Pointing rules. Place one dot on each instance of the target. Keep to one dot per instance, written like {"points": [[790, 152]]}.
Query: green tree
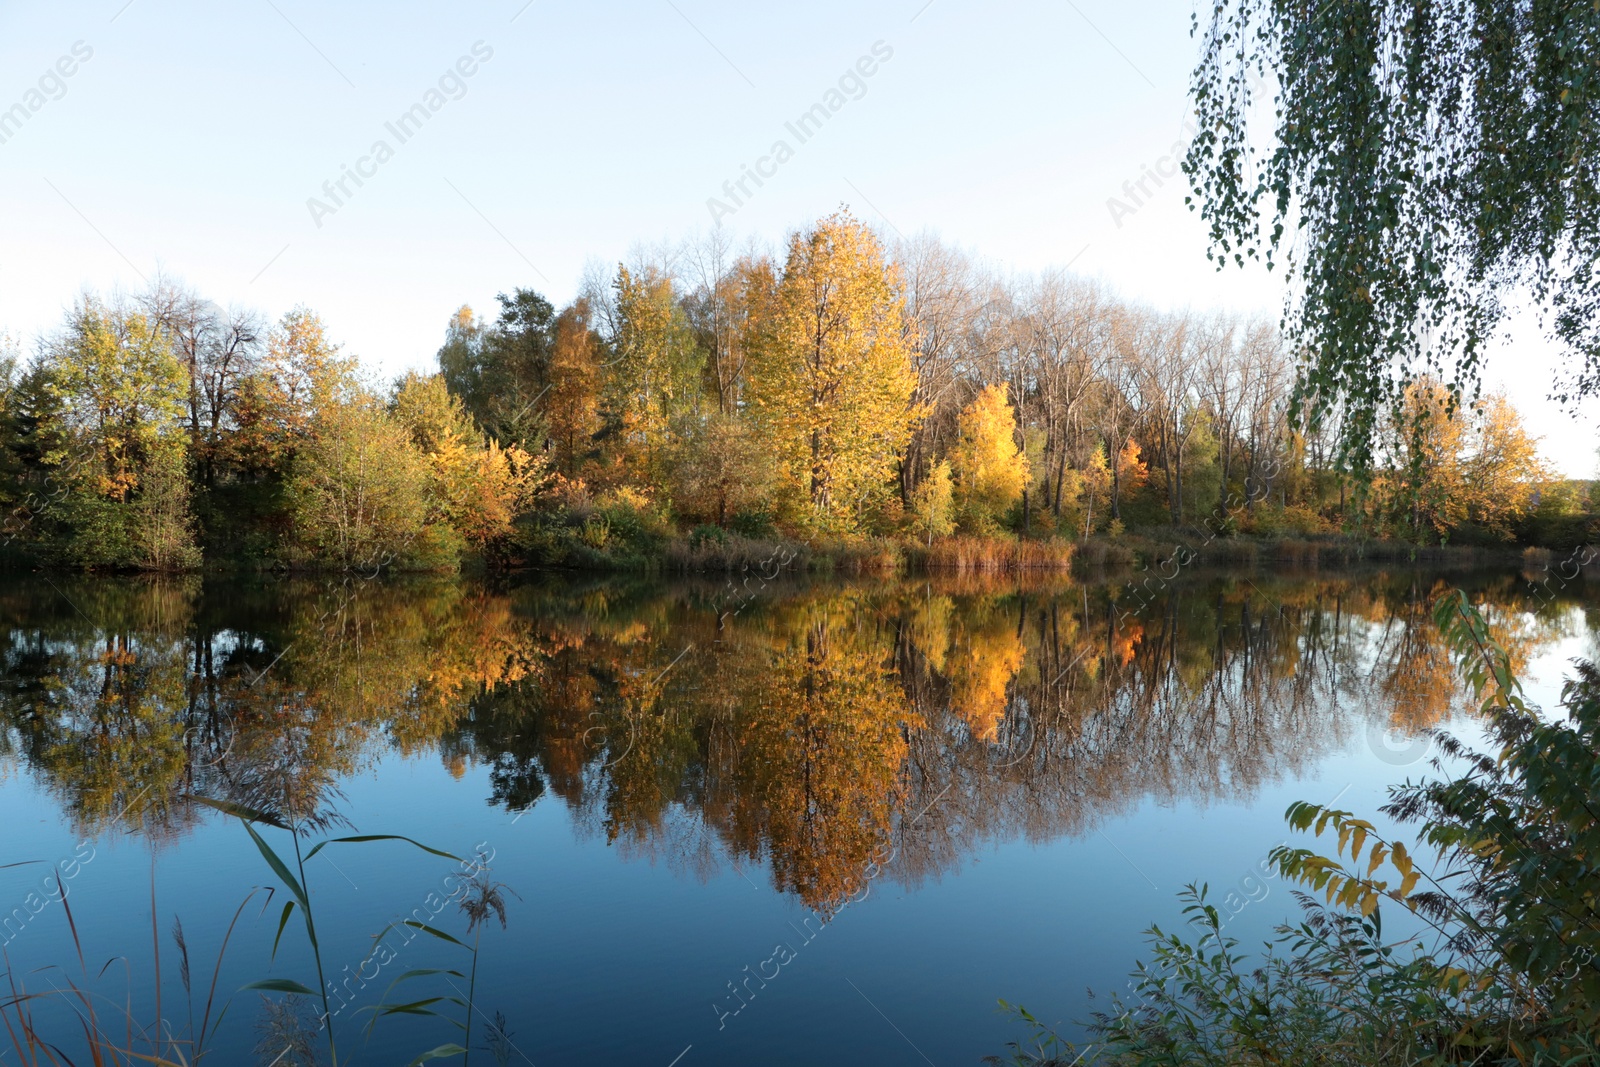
{"points": [[501, 373], [120, 446], [359, 495], [1425, 160], [122, 392]]}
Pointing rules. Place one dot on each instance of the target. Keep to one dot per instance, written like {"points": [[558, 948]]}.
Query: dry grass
{"points": [[734, 554], [875, 557], [994, 555], [1102, 552]]}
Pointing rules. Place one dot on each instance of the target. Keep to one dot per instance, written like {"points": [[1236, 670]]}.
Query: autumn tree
{"points": [[1130, 473], [302, 373], [476, 486], [1096, 485], [653, 379], [1450, 467], [933, 504], [991, 471], [831, 387], [119, 393], [721, 471], [571, 406]]}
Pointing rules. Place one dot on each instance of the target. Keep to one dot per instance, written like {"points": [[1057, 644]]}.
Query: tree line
{"points": [[847, 389]]}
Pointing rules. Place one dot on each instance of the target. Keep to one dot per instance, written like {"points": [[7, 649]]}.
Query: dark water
{"points": [[810, 824]]}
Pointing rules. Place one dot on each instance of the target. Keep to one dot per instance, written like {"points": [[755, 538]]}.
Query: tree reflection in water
{"points": [[818, 727]]}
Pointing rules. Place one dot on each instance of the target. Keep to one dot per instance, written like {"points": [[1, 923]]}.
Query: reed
{"points": [[994, 555], [110, 1034], [733, 553]]}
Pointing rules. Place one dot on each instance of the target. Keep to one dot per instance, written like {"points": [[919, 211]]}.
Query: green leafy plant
{"points": [[481, 899], [294, 881]]}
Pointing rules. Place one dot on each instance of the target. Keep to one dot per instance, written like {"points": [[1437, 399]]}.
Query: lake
{"points": [[785, 822]]}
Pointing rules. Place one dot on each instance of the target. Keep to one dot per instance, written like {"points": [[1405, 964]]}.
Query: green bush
{"points": [[757, 525]]}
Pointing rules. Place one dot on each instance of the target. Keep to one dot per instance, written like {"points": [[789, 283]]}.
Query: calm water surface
{"points": [[784, 823]]}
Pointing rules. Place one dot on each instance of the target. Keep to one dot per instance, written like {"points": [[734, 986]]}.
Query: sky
{"points": [[208, 141]]}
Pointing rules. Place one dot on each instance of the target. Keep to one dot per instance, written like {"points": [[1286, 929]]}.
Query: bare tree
{"points": [[945, 296]]}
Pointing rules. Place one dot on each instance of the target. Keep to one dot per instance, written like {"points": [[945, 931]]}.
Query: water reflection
{"points": [[813, 729]]}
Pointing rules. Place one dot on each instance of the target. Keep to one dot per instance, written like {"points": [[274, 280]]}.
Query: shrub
{"points": [[756, 524], [702, 535], [1272, 520]]}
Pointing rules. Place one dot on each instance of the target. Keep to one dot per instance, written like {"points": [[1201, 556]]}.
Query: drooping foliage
{"points": [[1413, 167]]}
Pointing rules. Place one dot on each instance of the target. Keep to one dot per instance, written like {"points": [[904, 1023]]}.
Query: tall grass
{"points": [[994, 555], [106, 1033], [110, 1033], [731, 553]]}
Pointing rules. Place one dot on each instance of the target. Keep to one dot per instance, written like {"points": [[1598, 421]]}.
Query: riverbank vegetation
{"points": [[847, 406]]}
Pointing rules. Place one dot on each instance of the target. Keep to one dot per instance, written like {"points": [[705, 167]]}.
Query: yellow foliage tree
{"points": [[831, 382], [477, 486], [1096, 481], [1452, 466], [991, 471], [301, 374], [1132, 471], [933, 504], [571, 408]]}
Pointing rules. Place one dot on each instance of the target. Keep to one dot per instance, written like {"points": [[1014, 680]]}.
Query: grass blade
{"points": [[382, 837]]}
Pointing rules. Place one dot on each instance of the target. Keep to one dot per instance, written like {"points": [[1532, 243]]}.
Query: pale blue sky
{"points": [[194, 135]]}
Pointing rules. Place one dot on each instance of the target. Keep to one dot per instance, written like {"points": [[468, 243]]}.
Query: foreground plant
{"points": [[1511, 905], [481, 897], [295, 882], [109, 1031]]}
